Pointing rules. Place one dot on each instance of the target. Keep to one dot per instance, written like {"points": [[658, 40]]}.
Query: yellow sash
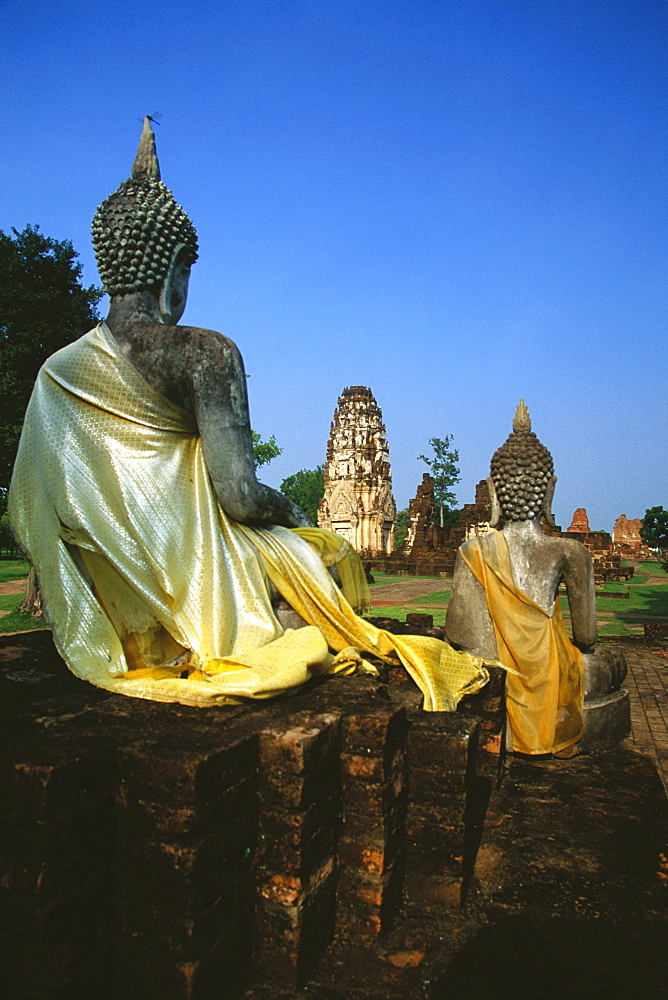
{"points": [[544, 698]]}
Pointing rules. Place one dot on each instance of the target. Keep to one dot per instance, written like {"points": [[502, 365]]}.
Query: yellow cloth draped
{"points": [[544, 698], [150, 588], [334, 550]]}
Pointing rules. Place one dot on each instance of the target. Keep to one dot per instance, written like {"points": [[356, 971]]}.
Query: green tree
{"points": [[654, 531], [306, 488], [7, 540], [43, 306], [264, 452], [445, 470], [401, 528]]}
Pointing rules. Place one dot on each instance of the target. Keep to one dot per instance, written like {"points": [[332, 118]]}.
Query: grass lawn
{"points": [[10, 601], [16, 622], [434, 597], [400, 611], [13, 569], [646, 601], [617, 616]]}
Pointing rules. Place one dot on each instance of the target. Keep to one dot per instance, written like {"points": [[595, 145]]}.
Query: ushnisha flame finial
{"points": [[521, 420], [146, 161]]}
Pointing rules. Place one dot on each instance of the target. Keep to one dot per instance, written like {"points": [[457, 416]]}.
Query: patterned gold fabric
{"points": [[151, 589], [334, 550], [545, 679]]}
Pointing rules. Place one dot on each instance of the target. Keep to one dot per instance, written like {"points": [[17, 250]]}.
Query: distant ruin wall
{"points": [[430, 550], [627, 540]]}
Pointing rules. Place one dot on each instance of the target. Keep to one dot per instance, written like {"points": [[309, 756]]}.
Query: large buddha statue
{"points": [[504, 603], [135, 496]]}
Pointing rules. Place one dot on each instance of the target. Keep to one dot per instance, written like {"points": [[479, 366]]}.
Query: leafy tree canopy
{"points": [[401, 528], [43, 306], [445, 470], [306, 488], [264, 452], [654, 531]]}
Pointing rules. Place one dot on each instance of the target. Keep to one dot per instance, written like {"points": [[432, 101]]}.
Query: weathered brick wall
{"points": [[371, 849], [57, 855], [627, 540], [300, 808], [152, 850], [442, 754], [187, 834]]}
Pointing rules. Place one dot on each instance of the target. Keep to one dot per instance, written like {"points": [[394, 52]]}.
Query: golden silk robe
{"points": [[150, 588], [545, 682]]}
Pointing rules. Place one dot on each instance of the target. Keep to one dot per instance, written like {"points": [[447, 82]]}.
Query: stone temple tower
{"points": [[358, 501]]}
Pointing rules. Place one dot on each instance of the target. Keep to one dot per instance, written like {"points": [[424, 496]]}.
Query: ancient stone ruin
{"points": [[580, 521], [607, 561], [358, 501], [430, 549], [627, 540], [423, 535]]}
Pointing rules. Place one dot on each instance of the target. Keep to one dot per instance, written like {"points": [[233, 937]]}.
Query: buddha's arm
{"points": [[220, 400], [578, 574], [468, 624]]}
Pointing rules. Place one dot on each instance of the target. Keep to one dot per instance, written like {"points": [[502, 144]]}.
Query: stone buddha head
{"points": [[521, 486], [144, 242]]}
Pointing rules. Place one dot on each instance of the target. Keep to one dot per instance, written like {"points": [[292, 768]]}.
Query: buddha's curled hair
{"points": [[138, 228], [521, 469]]}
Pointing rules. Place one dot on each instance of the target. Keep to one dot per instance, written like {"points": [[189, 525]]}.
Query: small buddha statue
{"points": [[505, 603], [168, 571]]}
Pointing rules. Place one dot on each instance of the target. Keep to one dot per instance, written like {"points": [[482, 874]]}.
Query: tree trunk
{"points": [[32, 602]]}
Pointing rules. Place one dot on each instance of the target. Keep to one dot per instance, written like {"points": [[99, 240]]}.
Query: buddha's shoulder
{"points": [[202, 337], [571, 548], [191, 343]]}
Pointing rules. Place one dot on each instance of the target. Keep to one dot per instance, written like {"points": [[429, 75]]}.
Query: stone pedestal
{"points": [[163, 852], [607, 709], [607, 721]]}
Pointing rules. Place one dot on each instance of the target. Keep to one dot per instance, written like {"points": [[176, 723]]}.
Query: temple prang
{"points": [[358, 501]]}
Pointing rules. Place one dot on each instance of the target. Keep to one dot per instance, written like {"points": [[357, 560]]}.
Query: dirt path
{"points": [[406, 590], [13, 587]]}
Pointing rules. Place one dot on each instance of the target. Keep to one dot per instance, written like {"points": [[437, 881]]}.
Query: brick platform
{"points": [[154, 850], [319, 848], [647, 681]]}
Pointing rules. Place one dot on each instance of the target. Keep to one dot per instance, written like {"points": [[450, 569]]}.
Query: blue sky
{"points": [[453, 203]]}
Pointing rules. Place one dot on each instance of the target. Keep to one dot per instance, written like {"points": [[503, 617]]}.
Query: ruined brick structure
{"points": [[627, 540], [474, 517], [607, 562], [607, 552], [358, 501], [431, 551], [434, 551], [580, 521], [423, 535], [161, 852]]}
